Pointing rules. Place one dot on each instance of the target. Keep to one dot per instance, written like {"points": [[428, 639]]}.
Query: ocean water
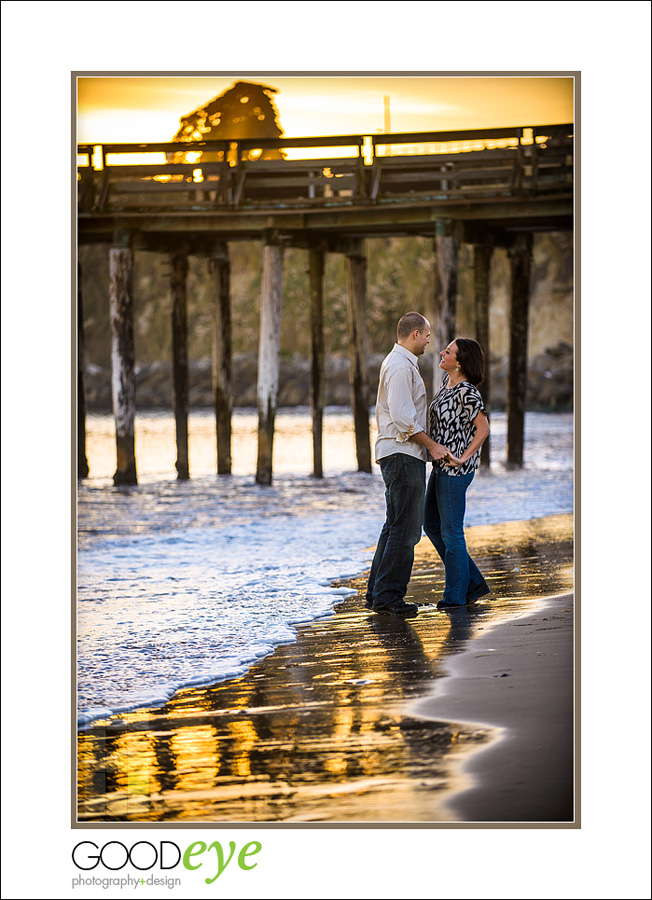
{"points": [[183, 583]]}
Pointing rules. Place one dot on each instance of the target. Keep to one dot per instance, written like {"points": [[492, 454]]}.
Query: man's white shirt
{"points": [[401, 406]]}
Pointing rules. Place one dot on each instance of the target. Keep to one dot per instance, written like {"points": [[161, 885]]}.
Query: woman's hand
{"points": [[451, 460]]}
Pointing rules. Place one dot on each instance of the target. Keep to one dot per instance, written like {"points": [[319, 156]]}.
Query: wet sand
{"points": [[517, 678], [371, 719]]}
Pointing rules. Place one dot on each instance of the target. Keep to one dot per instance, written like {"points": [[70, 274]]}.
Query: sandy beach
{"points": [[517, 678], [449, 718]]}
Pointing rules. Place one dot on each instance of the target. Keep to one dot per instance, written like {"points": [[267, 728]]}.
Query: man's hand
{"points": [[438, 451]]}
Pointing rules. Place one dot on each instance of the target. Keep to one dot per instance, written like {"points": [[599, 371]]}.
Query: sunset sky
{"points": [[148, 109]]}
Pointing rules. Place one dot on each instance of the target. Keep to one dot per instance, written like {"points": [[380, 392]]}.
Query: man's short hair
{"points": [[412, 321]]}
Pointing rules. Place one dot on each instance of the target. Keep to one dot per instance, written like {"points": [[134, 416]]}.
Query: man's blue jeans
{"points": [[405, 481], [443, 522]]}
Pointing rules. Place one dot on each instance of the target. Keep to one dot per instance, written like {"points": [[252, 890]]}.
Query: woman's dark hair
{"points": [[471, 359]]}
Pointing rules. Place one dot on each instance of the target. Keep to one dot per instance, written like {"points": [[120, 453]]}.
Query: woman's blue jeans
{"points": [[443, 522], [405, 482]]}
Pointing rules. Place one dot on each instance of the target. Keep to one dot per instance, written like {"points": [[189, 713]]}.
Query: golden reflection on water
{"points": [[244, 737], [196, 753], [156, 446], [317, 732], [135, 763]]}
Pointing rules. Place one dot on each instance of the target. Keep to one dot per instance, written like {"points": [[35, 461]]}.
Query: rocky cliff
{"points": [[550, 381]]}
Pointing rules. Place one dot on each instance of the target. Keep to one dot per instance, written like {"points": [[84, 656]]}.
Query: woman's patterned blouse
{"points": [[451, 418]]}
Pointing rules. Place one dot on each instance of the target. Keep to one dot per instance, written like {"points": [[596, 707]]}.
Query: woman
{"points": [[458, 420]]}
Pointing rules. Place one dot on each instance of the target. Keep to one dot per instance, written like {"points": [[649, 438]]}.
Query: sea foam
{"points": [[191, 583]]}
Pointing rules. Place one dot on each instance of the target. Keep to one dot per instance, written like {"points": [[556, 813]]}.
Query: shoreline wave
{"points": [[189, 583]]}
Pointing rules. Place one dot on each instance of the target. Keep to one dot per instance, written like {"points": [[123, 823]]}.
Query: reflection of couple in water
{"points": [[451, 432]]}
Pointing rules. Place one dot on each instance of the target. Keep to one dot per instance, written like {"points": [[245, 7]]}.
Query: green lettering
{"points": [[190, 851], [221, 865], [244, 853]]}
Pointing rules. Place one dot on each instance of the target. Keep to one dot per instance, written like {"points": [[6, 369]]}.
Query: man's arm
{"points": [[437, 451], [400, 403], [404, 415]]}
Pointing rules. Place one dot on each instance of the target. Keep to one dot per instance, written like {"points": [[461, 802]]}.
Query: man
{"points": [[401, 451]]}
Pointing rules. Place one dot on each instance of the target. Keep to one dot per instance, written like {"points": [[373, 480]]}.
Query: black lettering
{"points": [[170, 844], [131, 856], [105, 864], [96, 858]]}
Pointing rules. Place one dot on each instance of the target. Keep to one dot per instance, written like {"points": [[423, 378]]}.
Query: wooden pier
{"points": [[487, 188]]}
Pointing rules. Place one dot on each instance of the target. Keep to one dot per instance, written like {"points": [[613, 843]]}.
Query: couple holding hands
{"points": [[451, 434]]}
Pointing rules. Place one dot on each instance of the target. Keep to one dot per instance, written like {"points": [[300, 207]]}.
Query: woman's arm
{"points": [[481, 434]]}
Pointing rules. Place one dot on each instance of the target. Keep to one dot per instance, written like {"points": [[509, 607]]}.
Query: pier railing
{"points": [[342, 170]]}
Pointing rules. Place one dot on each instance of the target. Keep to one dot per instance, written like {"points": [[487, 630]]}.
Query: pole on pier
{"points": [[123, 377], [178, 281], [482, 254], [219, 267], [443, 328], [356, 280], [317, 358], [269, 355], [82, 460], [520, 256]]}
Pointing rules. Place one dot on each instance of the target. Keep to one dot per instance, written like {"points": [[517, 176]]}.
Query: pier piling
{"points": [[482, 254], [356, 280], [123, 378], [446, 245], [219, 268], [269, 355], [82, 460], [317, 357], [520, 256], [178, 280]]}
